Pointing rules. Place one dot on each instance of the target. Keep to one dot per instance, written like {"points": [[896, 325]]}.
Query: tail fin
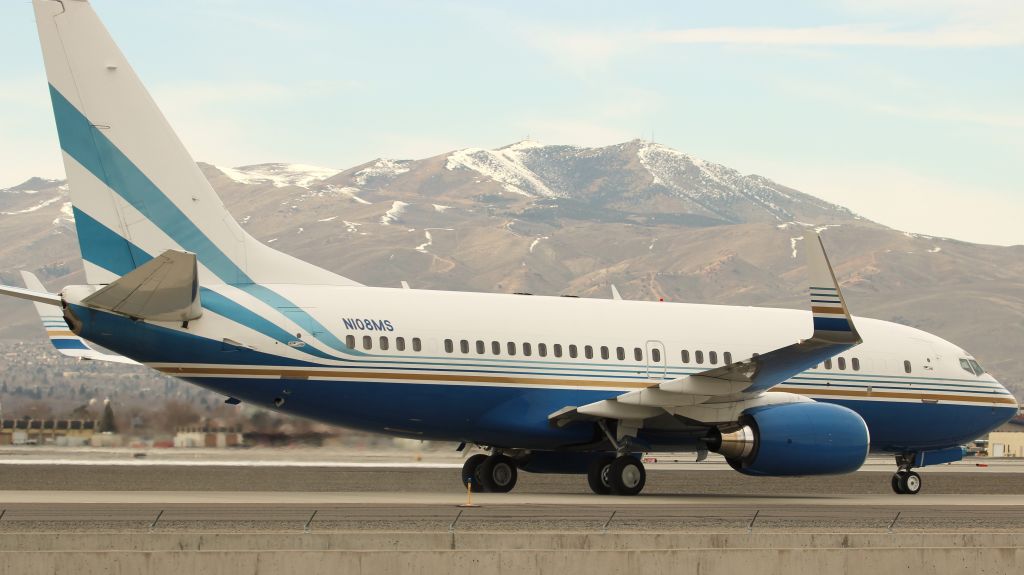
{"points": [[136, 191]]}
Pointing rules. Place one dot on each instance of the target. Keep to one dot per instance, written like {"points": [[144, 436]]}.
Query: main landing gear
{"points": [[905, 481], [494, 473], [623, 475]]}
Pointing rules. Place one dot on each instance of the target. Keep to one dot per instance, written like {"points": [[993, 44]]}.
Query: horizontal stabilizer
{"points": [[165, 288], [39, 296], [61, 336]]}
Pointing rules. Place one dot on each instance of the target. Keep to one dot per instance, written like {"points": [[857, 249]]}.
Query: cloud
{"points": [[844, 35], [911, 201]]}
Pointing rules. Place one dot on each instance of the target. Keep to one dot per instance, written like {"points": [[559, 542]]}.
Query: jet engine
{"points": [[794, 439]]}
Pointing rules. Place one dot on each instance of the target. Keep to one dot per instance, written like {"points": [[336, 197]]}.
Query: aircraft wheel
{"points": [[910, 483], [896, 478], [626, 475], [597, 475], [498, 474], [469, 472]]}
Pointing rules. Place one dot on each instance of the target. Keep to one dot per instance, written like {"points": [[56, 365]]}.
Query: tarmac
{"points": [[254, 490], [320, 511]]}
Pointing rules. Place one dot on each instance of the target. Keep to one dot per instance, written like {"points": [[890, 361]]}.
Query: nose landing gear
{"points": [[905, 481]]}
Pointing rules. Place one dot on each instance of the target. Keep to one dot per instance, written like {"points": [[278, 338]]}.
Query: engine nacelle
{"points": [[795, 439]]}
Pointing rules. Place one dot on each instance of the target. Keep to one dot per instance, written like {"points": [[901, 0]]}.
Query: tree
{"points": [[107, 423]]}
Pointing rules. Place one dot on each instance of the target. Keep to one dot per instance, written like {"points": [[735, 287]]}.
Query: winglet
{"points": [[832, 321], [615, 293]]}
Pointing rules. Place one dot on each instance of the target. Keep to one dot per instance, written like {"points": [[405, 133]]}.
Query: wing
{"points": [[66, 342], [718, 394]]}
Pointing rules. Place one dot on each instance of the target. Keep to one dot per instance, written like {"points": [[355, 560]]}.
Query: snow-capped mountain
{"points": [[556, 219]]}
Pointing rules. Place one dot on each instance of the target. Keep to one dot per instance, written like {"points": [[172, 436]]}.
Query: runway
{"points": [[190, 498]]}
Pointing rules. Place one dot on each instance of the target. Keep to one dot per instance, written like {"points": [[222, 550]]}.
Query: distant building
{"points": [[64, 432], [208, 437], [1006, 442]]}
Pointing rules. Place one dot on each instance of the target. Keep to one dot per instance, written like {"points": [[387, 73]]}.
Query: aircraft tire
{"points": [[627, 476], [597, 475], [469, 472], [896, 479], [498, 474]]}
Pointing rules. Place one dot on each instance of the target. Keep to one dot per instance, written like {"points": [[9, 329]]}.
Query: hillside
{"points": [[569, 220]]}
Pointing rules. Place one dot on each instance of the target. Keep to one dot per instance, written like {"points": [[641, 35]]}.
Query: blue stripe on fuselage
{"points": [[96, 153]]}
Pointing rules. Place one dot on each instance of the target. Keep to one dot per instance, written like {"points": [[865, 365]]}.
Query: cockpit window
{"points": [[971, 366], [966, 364], [977, 368]]}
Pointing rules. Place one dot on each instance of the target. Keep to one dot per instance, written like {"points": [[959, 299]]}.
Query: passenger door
{"points": [[656, 360]]}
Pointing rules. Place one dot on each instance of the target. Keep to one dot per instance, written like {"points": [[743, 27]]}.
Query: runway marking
{"points": [[263, 498], [240, 463]]}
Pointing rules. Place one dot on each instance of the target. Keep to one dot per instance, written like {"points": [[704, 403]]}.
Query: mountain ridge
{"points": [[557, 219]]}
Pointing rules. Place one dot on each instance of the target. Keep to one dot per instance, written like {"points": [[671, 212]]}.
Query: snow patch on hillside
{"points": [[505, 166], [430, 240], [395, 213], [38, 206], [279, 175], [349, 192], [382, 168], [792, 244]]}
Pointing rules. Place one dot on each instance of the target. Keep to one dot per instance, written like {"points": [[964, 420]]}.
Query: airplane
{"points": [[541, 384]]}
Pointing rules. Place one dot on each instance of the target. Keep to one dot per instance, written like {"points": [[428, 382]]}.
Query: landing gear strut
{"points": [[905, 481], [623, 475]]}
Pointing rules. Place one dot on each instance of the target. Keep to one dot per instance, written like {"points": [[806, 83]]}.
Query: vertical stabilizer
{"points": [[136, 191]]}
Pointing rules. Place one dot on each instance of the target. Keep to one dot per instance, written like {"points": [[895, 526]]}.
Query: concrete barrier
{"points": [[375, 553]]}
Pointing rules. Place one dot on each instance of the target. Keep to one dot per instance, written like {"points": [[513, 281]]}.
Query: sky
{"points": [[909, 112]]}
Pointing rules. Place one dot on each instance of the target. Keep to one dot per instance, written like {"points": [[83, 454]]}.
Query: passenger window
{"points": [[620, 353], [558, 349], [828, 363], [604, 352], [855, 363], [542, 349], [713, 357], [511, 348], [638, 354], [350, 342], [417, 345], [842, 363], [572, 351], [906, 366], [527, 349], [449, 346], [728, 357], [588, 351], [400, 343], [698, 356], [655, 355], [481, 348], [384, 343], [367, 342], [685, 356], [464, 346], [496, 348]]}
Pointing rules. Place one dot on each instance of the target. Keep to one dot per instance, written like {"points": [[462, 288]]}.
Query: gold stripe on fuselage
{"points": [[545, 381]]}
